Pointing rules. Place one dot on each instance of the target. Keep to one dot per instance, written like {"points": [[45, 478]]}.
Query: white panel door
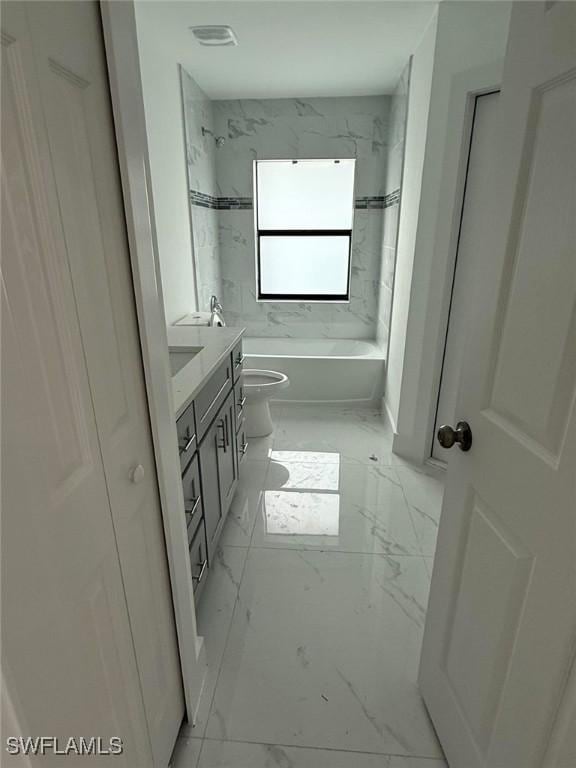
{"points": [[501, 629], [67, 655], [71, 66]]}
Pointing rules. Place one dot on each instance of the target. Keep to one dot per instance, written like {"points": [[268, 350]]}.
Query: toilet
{"points": [[259, 387]]}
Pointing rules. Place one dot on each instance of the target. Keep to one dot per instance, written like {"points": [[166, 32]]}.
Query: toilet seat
{"points": [[260, 382]]}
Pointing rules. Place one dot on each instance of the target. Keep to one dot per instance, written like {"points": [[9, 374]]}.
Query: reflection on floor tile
{"points": [[245, 505], [314, 612], [347, 508], [228, 754], [424, 496], [213, 616], [308, 634]]}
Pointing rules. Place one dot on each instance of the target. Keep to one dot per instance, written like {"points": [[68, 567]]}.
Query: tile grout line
{"points": [[325, 749], [418, 539]]}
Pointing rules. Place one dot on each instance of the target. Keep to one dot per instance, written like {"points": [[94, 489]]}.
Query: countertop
{"points": [[216, 343]]}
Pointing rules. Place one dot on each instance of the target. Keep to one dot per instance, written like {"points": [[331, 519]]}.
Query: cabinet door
{"points": [[227, 464], [209, 471]]}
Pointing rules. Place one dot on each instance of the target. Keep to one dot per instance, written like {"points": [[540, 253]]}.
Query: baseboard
{"points": [[372, 404], [388, 415]]}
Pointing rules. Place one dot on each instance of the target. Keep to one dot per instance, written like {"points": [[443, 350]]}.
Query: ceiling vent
{"points": [[214, 35]]}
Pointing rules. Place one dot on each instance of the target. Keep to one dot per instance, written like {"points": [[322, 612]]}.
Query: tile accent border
{"points": [[377, 201], [202, 200]]}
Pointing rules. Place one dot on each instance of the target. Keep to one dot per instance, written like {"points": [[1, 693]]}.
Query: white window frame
{"points": [[299, 298]]}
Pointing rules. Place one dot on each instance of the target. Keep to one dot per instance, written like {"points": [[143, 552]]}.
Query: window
{"points": [[304, 212]]}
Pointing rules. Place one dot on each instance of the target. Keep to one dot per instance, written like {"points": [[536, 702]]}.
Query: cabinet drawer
{"points": [[186, 430], [237, 361], [213, 394], [193, 505], [198, 559], [239, 402]]}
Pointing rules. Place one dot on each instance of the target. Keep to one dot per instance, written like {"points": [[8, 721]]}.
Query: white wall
{"points": [[470, 38], [415, 144], [164, 123]]}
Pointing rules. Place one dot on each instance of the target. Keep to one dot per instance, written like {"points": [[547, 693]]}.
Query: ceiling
{"points": [[294, 48]]}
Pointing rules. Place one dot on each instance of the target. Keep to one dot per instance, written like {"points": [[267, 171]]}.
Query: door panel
{"points": [[209, 471], [227, 464], [65, 629], [534, 368], [73, 107], [501, 628]]}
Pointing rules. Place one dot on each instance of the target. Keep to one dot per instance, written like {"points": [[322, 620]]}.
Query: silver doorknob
{"points": [[136, 474], [462, 435]]}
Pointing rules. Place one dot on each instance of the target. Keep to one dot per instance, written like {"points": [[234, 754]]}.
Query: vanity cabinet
{"points": [[219, 471], [212, 442]]}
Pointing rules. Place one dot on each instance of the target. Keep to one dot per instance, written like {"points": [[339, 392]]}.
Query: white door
{"points": [[470, 242], [501, 629], [67, 47], [68, 661]]}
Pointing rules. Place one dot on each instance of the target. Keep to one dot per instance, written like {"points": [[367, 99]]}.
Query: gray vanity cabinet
{"points": [[219, 471], [211, 438]]}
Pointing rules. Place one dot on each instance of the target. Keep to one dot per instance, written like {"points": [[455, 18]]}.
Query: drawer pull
{"points": [[195, 502], [222, 388], [239, 360], [244, 448], [189, 442], [203, 567], [242, 403]]}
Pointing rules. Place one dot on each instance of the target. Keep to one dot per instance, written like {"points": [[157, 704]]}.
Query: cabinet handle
{"points": [[195, 502], [186, 447], [242, 403], [227, 430], [198, 578], [244, 448], [223, 428], [239, 360]]}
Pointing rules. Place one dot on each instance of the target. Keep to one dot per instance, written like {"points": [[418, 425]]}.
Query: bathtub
{"points": [[326, 370]]}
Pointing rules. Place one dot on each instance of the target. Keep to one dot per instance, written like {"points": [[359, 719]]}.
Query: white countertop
{"points": [[216, 343]]}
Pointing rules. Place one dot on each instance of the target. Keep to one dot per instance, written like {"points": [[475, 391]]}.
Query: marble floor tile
{"points": [[424, 496], [228, 754], [334, 507], [245, 505], [353, 436], [213, 616], [323, 652], [186, 753]]}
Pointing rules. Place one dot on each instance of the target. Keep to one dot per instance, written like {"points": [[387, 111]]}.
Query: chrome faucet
{"points": [[216, 313]]}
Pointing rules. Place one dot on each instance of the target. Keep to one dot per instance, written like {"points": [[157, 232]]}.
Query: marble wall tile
{"points": [[201, 161], [394, 167], [280, 128]]}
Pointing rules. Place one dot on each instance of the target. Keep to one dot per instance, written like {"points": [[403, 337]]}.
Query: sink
{"points": [[181, 356]]}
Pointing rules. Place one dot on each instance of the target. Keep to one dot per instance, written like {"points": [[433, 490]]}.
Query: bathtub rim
{"points": [[376, 354]]}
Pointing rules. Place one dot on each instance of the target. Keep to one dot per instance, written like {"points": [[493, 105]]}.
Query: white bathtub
{"points": [[327, 370]]}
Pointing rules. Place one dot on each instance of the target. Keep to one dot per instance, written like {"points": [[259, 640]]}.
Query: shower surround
{"points": [[296, 128], [201, 161]]}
